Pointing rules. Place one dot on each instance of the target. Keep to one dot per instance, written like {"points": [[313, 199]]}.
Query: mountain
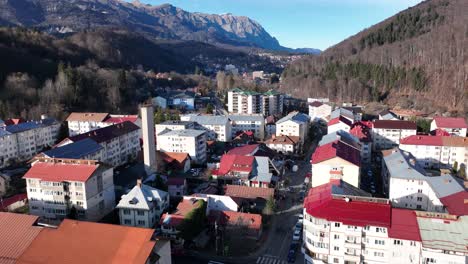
{"points": [[415, 59], [161, 22], [306, 51]]}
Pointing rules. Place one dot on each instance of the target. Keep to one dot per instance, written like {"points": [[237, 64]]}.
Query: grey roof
{"points": [[142, 197], [444, 235], [183, 133], [252, 118], [296, 117], [21, 127], [4, 133], [400, 165], [209, 120], [176, 122], [261, 172], [345, 188], [340, 135], [75, 150], [341, 111]]}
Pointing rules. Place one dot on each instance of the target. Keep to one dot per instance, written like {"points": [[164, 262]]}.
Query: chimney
{"points": [[138, 183], [149, 144]]}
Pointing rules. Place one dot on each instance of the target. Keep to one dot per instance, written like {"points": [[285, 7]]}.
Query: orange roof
{"points": [[17, 232], [252, 221], [283, 140], [58, 172], [247, 192], [174, 156], [85, 242], [183, 208], [93, 117]]}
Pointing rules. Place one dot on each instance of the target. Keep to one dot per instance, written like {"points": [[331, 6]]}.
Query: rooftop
{"points": [[235, 163], [142, 197], [75, 150], [340, 119], [395, 124], [337, 149], [21, 127], [183, 133], [58, 172], [450, 122], [229, 218], [116, 119], [342, 112], [296, 117], [183, 208], [404, 225], [6, 202], [283, 140], [247, 192], [209, 119], [247, 118], [91, 117], [107, 133]]}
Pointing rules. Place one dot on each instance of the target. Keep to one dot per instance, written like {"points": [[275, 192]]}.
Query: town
{"points": [[247, 183]]}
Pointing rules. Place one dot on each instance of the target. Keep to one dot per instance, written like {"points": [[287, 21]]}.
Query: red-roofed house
{"points": [[171, 222], [336, 160], [173, 161], [457, 203], [339, 123], [362, 131], [56, 186], [14, 202], [453, 125], [240, 224], [284, 144]]}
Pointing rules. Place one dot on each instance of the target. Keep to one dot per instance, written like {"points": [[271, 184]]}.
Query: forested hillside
{"points": [[416, 59]]}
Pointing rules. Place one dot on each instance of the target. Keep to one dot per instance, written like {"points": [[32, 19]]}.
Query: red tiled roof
{"points": [[121, 119], [404, 225], [170, 157], [92, 117], [422, 140], [17, 232], [316, 104], [450, 122], [336, 149], [246, 192], [252, 221], [183, 208], [86, 242], [395, 124], [58, 172], [456, 203], [235, 163], [440, 132], [339, 119], [11, 200], [361, 131], [244, 150], [321, 204], [283, 140], [14, 121]]}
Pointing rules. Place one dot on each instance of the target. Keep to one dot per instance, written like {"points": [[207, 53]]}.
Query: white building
{"points": [[284, 144], [55, 186], [346, 113], [294, 124], [453, 125], [243, 123], [387, 115], [20, 142], [409, 186], [343, 225], [363, 132], [387, 134], [121, 142], [173, 125], [437, 151], [217, 127], [339, 123], [80, 123], [142, 206], [249, 102], [188, 141], [319, 111]]}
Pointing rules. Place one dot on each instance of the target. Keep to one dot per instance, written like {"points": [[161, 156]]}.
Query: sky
{"points": [[302, 23]]}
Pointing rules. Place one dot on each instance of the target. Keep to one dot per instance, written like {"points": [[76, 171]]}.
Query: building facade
{"points": [[80, 123], [190, 141], [294, 124], [387, 134], [244, 123], [217, 127], [249, 102], [453, 125], [319, 111]]}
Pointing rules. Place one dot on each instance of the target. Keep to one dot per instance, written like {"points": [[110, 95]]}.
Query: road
{"points": [[219, 107]]}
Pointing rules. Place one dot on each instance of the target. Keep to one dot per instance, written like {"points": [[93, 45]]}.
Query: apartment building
{"points": [[339, 123], [344, 225], [409, 186], [319, 111], [121, 142], [80, 123], [244, 123], [142, 206], [217, 127], [294, 124], [284, 144], [437, 151], [387, 134], [86, 149], [56, 186], [363, 132], [272, 103], [453, 125], [173, 125], [249, 102], [188, 141], [347, 113], [21, 141]]}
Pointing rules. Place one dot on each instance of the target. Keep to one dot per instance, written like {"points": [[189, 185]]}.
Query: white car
{"points": [[297, 235]]}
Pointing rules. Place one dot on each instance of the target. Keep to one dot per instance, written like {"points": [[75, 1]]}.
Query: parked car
{"points": [[297, 235], [292, 256], [298, 225]]}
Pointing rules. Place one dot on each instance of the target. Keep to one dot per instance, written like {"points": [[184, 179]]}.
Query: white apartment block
{"points": [[387, 134], [121, 142], [294, 124], [340, 227], [249, 102], [455, 126], [217, 127], [319, 111], [242, 123], [437, 151], [79, 123], [173, 125], [188, 141], [142, 206], [22, 141], [55, 186], [272, 103]]}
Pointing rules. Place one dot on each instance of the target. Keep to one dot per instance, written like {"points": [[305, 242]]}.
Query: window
{"points": [[336, 260], [413, 243], [337, 224], [418, 206], [336, 248], [379, 242], [141, 222], [419, 199], [378, 254], [126, 212], [337, 237], [397, 242], [380, 230], [127, 222], [141, 213], [429, 260], [419, 190]]}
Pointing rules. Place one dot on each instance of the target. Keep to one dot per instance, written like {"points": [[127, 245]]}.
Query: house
{"points": [[142, 206], [249, 102], [270, 126], [217, 127], [319, 111], [80, 123], [86, 149], [173, 161], [453, 125], [171, 223], [408, 114], [387, 134], [251, 197], [284, 144], [437, 151], [294, 124], [409, 186], [257, 150], [339, 123], [176, 99], [76, 242], [387, 115], [346, 113], [363, 132], [190, 141], [14, 202], [243, 138], [242, 123], [121, 142], [56, 186], [336, 160], [219, 203], [176, 186], [358, 228], [247, 225], [173, 125]]}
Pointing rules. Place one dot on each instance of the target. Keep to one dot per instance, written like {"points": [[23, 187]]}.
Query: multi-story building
{"points": [[339, 123], [217, 127], [453, 125], [344, 225], [173, 125], [437, 151], [86, 149], [142, 206], [56, 186], [387, 134], [249, 102], [387, 115], [409, 186], [272, 103], [80, 123], [319, 111], [294, 124], [20, 142], [188, 141], [284, 144], [121, 142], [362, 131], [244, 123], [176, 99], [347, 113]]}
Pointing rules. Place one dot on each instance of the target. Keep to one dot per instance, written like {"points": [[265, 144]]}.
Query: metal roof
{"points": [[341, 112], [75, 150], [342, 136], [261, 172], [142, 197], [209, 119], [4, 133], [21, 127], [295, 117], [444, 234], [183, 133], [252, 118]]}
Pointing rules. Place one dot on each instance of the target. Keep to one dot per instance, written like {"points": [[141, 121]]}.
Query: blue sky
{"points": [[302, 23]]}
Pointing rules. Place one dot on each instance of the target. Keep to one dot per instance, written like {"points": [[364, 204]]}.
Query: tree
{"points": [[73, 214], [209, 108], [159, 183], [455, 167], [462, 172], [194, 221], [270, 206]]}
